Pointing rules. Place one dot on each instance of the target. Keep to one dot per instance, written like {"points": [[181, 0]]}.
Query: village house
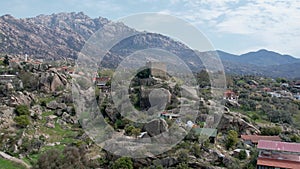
{"points": [[253, 139], [101, 83], [278, 155], [266, 89], [274, 94], [230, 95]]}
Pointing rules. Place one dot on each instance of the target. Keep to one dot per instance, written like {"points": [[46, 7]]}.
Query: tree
{"points": [[123, 163], [232, 139], [136, 132], [6, 60]]}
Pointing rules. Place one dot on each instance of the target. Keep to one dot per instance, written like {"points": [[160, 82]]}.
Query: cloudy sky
{"points": [[235, 26]]}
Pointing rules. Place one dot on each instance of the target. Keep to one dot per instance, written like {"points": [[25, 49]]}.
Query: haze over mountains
{"points": [[64, 34]]}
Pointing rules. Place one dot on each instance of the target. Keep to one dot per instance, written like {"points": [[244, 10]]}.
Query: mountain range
{"points": [[63, 35]]}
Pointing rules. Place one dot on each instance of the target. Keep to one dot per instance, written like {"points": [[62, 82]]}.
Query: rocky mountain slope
{"points": [[64, 34], [47, 36]]}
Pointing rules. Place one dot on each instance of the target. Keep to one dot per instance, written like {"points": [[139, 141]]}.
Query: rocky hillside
{"points": [[47, 36]]}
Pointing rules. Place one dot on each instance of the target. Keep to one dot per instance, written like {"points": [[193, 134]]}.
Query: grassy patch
{"points": [[44, 100], [296, 120], [6, 164], [59, 134]]}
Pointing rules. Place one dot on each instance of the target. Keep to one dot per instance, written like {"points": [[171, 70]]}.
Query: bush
{"points": [[69, 158], [22, 121], [255, 117], [271, 131], [183, 155], [182, 166], [119, 124], [123, 163], [295, 138], [128, 129], [196, 149], [242, 155], [22, 110], [136, 132], [232, 139]]}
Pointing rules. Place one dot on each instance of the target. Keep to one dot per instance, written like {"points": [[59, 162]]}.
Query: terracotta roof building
{"points": [[253, 139], [282, 155], [230, 95], [101, 81]]}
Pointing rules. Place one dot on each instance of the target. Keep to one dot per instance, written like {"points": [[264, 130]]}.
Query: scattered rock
{"points": [[21, 98], [59, 112], [51, 117], [36, 112], [52, 105], [50, 125]]}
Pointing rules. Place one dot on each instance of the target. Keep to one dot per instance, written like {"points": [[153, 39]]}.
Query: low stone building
{"points": [[157, 69]]}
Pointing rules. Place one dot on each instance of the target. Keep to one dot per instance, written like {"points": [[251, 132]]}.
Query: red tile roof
{"points": [[279, 146], [256, 138], [278, 163]]}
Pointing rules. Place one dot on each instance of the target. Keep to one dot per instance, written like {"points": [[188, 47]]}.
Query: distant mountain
{"points": [[47, 36], [259, 58], [63, 35]]}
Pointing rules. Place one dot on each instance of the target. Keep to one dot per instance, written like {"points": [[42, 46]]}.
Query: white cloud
{"points": [[273, 23]]}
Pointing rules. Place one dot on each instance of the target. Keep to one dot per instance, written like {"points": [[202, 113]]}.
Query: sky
{"points": [[234, 26]]}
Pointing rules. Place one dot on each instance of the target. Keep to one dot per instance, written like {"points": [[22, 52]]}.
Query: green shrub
{"points": [[271, 131], [183, 155], [22, 110], [22, 121], [119, 124], [123, 163], [232, 139], [128, 129], [136, 132], [255, 117], [242, 155], [182, 166]]}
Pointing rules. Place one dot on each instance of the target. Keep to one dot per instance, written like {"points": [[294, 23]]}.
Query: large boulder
{"points": [[56, 83], [45, 82], [156, 127], [238, 121]]}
